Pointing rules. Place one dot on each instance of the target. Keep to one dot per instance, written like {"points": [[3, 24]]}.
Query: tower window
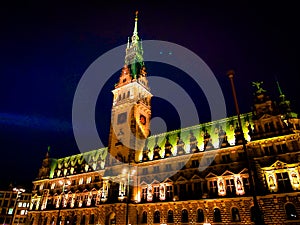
{"points": [[128, 94]]}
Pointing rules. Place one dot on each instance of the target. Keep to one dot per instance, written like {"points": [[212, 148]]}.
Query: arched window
{"points": [[82, 222], [217, 215], [74, 220], [156, 217], [59, 220], [52, 221], [184, 216], [290, 211], [144, 217], [92, 219], [235, 215], [45, 220], [67, 220], [170, 216], [252, 214], [200, 215]]}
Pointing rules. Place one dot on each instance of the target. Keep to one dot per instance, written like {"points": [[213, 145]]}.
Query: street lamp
{"points": [[19, 191], [257, 213]]}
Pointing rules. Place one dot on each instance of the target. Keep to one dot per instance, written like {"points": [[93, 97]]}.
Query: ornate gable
{"points": [[211, 175]]}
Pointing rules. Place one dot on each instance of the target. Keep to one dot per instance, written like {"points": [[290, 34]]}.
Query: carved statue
{"points": [[258, 86]]}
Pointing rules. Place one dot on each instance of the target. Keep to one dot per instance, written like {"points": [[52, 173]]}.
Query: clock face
{"points": [[143, 119], [122, 117]]}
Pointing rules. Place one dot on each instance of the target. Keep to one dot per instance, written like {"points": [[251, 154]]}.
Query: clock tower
{"points": [[131, 108]]}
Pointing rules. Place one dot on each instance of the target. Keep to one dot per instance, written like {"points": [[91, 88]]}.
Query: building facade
{"points": [[14, 205], [195, 175]]}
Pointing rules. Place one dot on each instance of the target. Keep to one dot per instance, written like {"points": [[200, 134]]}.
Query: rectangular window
{"points": [[10, 211], [230, 187], [5, 203], [213, 187], [210, 160], [226, 158], [241, 155], [156, 193], [284, 183], [195, 163], [295, 145], [3, 211], [168, 167], [197, 189], [246, 185], [169, 194], [266, 150], [180, 165], [145, 171], [182, 191], [144, 194], [156, 169]]}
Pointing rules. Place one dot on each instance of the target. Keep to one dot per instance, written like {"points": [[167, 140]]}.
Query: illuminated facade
{"points": [[14, 206], [195, 175]]}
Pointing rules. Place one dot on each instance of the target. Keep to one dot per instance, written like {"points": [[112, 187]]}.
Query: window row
{"points": [[64, 183], [200, 216], [290, 211], [230, 186]]}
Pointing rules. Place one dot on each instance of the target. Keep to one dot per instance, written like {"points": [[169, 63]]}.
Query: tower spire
{"points": [[135, 37], [135, 23], [279, 89]]}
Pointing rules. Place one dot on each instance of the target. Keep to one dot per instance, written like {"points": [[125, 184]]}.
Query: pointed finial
{"points": [[48, 151], [135, 24]]}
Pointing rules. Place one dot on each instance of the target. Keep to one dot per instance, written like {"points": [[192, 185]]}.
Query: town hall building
{"points": [[195, 175]]}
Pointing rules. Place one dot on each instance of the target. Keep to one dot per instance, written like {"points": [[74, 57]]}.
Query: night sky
{"points": [[46, 47]]}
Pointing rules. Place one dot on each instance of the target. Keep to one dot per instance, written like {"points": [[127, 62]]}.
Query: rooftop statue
{"points": [[258, 86]]}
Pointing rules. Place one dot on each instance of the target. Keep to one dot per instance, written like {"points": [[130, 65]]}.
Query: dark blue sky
{"points": [[47, 46]]}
